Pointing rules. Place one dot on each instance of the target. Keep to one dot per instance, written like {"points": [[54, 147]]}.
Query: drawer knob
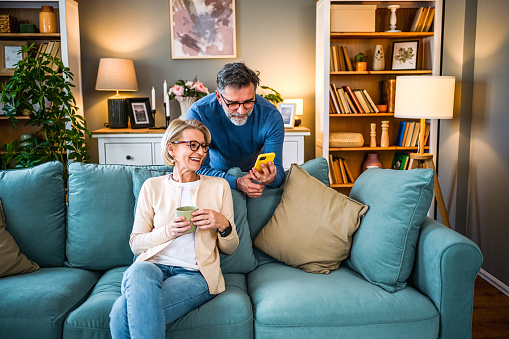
{"points": [[128, 157]]}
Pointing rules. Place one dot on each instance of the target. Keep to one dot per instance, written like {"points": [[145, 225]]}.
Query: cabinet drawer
{"points": [[290, 154], [128, 153]]}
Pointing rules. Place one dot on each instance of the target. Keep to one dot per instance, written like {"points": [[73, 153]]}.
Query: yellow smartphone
{"points": [[264, 158]]}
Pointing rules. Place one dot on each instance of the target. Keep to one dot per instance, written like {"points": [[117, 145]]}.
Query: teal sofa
{"points": [[82, 248]]}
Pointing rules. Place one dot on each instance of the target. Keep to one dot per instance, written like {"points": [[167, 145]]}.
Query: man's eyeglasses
{"points": [[194, 145], [233, 106]]}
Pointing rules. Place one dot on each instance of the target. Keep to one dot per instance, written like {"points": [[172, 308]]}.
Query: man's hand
{"points": [[267, 176], [246, 185]]}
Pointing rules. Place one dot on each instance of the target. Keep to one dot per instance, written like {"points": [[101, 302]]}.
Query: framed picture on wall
{"points": [[200, 30], [10, 55], [139, 113], [288, 112], [404, 55]]}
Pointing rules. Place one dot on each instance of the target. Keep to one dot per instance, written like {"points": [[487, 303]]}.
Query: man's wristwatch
{"points": [[226, 231]]}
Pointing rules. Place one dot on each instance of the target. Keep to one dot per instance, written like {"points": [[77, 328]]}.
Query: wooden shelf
{"points": [[390, 72], [29, 36], [19, 117], [381, 35], [349, 185], [367, 148]]}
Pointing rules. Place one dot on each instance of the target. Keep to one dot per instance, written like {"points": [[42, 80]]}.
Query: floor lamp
{"points": [[425, 97]]}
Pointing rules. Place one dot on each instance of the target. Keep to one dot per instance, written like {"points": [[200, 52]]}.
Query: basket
{"points": [[7, 23], [346, 139]]}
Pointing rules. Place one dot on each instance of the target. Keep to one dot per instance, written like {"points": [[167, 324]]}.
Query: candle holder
{"points": [[393, 19]]}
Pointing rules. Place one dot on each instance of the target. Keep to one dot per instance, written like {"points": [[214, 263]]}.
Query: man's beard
{"points": [[238, 119]]}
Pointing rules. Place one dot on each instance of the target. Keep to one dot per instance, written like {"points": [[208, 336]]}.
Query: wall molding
{"points": [[494, 282]]}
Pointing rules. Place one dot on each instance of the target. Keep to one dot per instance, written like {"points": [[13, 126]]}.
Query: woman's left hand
{"points": [[206, 218]]}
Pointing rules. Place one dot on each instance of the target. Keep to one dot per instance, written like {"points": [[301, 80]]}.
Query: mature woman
{"points": [[175, 272]]}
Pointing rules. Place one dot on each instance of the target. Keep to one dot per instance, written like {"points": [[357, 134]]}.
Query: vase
{"points": [[47, 20], [390, 94], [378, 58], [184, 106], [371, 161]]}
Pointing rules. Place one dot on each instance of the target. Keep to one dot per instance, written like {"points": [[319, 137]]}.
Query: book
{"points": [[334, 99], [405, 134], [348, 173], [352, 96], [335, 61], [342, 169], [360, 98], [410, 132], [422, 22], [348, 62], [341, 58], [332, 174], [401, 132], [342, 98], [429, 21], [370, 101], [426, 134], [417, 17], [353, 109], [338, 99], [415, 134], [400, 161]]}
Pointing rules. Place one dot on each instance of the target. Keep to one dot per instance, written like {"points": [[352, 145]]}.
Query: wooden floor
{"points": [[491, 311]]}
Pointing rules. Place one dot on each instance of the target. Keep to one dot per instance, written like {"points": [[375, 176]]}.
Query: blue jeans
{"points": [[154, 295]]}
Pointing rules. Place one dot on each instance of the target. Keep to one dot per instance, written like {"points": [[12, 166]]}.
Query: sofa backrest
{"points": [[34, 206]]}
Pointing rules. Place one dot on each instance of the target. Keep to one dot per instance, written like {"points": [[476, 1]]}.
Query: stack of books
{"points": [[53, 49], [339, 59], [339, 171], [408, 134], [423, 19], [344, 100]]}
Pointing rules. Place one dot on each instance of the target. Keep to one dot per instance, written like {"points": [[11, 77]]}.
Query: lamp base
{"points": [[117, 113]]}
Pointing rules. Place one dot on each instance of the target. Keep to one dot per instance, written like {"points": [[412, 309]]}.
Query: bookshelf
{"points": [[428, 63], [67, 33]]}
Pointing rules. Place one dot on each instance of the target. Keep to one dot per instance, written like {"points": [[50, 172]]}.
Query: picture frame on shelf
{"points": [[139, 112], [287, 111], [404, 55], [202, 32], [10, 55]]}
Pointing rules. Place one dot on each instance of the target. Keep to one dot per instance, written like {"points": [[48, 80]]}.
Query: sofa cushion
{"points": [[383, 248], [300, 234], [12, 261], [242, 260], [35, 305], [34, 207], [291, 303], [228, 315], [100, 216]]}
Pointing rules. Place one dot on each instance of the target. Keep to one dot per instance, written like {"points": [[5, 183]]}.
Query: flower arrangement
{"points": [[186, 88]]}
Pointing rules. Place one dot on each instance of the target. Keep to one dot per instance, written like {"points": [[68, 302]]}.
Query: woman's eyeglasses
{"points": [[194, 145]]}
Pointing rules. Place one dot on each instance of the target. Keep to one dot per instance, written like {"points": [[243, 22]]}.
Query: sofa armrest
{"points": [[445, 269]]}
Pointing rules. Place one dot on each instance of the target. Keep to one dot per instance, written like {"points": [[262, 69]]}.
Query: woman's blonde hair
{"points": [[174, 133]]}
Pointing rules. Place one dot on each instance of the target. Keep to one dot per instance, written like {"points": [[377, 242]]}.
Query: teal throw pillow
{"points": [[383, 248], [34, 206]]}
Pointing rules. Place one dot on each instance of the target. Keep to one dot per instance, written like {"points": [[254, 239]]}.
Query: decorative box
{"points": [[7, 23], [27, 28], [352, 18], [346, 139]]}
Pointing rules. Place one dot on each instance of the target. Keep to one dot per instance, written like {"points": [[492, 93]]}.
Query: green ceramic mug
{"points": [[187, 211]]}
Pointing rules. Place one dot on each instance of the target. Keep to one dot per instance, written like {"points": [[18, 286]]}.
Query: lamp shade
{"points": [[424, 97], [116, 75]]}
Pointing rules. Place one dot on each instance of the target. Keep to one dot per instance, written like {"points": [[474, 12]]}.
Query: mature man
{"points": [[242, 125]]}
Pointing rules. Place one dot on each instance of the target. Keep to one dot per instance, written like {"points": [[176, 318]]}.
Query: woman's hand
{"points": [[178, 226], [206, 218]]}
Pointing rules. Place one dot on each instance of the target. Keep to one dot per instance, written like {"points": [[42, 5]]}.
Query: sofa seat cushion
{"points": [[35, 305], [290, 303], [228, 315], [34, 206]]}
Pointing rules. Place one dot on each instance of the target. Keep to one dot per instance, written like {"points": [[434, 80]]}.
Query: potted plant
{"points": [[41, 88], [361, 63], [274, 96]]}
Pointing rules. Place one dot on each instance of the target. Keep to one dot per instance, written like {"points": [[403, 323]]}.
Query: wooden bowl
{"points": [[382, 108]]}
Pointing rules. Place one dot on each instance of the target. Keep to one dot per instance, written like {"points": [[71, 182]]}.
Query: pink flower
{"points": [[198, 86], [178, 90]]}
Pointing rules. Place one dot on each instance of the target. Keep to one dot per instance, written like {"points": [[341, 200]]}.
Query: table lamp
{"points": [[299, 110], [425, 97], [116, 75]]}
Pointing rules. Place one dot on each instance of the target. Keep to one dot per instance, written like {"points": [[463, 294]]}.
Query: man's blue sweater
{"points": [[239, 146]]}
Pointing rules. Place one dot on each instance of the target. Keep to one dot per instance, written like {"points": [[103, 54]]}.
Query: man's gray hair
{"points": [[236, 75]]}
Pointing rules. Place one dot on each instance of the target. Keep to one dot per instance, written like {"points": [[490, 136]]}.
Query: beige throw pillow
{"points": [[312, 226], [12, 261]]}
